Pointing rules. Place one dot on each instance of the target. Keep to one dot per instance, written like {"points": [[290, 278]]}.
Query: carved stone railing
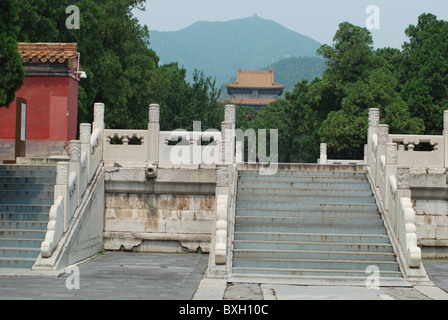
{"points": [[392, 189], [408, 157], [138, 147], [125, 145], [73, 178], [180, 147], [153, 148]]}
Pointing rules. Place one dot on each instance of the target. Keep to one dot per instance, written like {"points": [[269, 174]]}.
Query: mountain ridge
{"points": [[219, 48]]}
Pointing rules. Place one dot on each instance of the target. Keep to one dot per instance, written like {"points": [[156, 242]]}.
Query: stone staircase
{"points": [[26, 196], [310, 227]]}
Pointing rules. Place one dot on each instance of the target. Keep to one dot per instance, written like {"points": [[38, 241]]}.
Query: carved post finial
{"points": [[391, 153], [74, 150], [154, 113], [323, 153], [99, 112], [230, 112], [62, 173], [374, 117], [383, 134], [153, 134], [85, 131]]}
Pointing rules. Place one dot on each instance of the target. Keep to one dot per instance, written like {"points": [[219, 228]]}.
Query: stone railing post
{"points": [[390, 170], [74, 152], [221, 220], [239, 152], [98, 121], [323, 153], [61, 189], [85, 132], [374, 121], [383, 136], [153, 134], [228, 135]]}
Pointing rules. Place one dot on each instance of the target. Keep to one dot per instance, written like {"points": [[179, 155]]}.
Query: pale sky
{"points": [[318, 19]]}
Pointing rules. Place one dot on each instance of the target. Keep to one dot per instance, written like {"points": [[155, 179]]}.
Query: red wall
{"points": [[52, 109]]}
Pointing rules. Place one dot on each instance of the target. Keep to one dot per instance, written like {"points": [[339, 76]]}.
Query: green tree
{"points": [[182, 103], [277, 115], [423, 71], [114, 53], [350, 57], [361, 79], [11, 72], [306, 119]]}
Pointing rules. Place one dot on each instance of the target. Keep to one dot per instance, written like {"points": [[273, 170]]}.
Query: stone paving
{"points": [[152, 276], [115, 276], [437, 272]]}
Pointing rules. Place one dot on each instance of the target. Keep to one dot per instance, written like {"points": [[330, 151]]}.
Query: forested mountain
{"points": [[220, 48]]}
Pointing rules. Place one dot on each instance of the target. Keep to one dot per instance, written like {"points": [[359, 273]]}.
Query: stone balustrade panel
{"points": [[409, 157], [125, 145]]}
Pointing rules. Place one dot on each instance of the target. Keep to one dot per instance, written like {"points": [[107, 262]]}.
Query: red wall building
{"points": [[51, 90]]}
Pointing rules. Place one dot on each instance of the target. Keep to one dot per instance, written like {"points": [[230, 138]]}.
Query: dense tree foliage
{"points": [[11, 70], [363, 81], [423, 71], [122, 71]]}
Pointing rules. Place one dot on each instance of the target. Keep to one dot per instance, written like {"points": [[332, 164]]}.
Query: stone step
{"points": [[23, 233], [11, 201], [279, 205], [309, 213], [304, 192], [24, 216], [28, 173], [309, 224], [20, 243], [303, 178], [379, 230], [297, 264], [313, 246], [25, 208], [317, 199], [27, 186], [20, 167], [312, 185], [27, 180], [312, 237], [256, 173], [28, 225], [26, 194], [21, 252], [249, 254], [25, 263], [321, 273], [300, 221]]}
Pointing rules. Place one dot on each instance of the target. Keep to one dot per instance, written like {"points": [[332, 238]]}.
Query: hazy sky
{"points": [[318, 19]]}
